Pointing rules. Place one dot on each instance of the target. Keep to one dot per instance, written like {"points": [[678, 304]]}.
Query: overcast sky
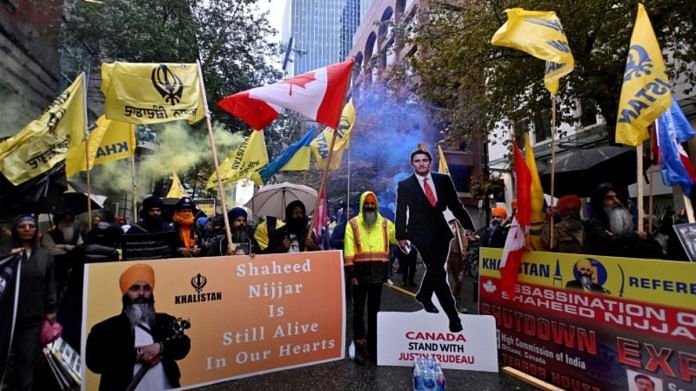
{"points": [[276, 9]]}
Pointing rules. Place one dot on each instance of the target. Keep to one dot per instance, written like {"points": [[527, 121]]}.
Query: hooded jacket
{"points": [[366, 249]]}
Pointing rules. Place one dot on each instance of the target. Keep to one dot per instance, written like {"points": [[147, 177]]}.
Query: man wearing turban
{"points": [[119, 347], [569, 232]]}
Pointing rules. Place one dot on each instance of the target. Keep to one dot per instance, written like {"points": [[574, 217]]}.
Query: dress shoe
{"points": [[455, 326], [428, 305], [360, 353]]}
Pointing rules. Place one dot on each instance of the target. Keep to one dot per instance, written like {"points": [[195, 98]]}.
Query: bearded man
{"points": [[569, 232], [295, 234], [610, 229], [150, 218], [585, 277], [366, 261], [117, 348]]}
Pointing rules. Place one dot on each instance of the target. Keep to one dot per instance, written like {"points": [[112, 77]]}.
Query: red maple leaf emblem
{"points": [[300, 81]]}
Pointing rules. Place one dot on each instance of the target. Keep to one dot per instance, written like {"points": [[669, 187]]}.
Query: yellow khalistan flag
{"points": [[177, 189], [537, 197], [645, 93], [44, 142], [108, 141], [148, 93], [243, 162], [320, 145], [540, 34]]}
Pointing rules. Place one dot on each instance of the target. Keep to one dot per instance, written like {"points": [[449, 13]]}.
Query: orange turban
{"points": [[370, 198], [567, 201], [135, 273], [499, 212]]}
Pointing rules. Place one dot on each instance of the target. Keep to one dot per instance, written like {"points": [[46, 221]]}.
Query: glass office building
{"points": [[322, 31]]}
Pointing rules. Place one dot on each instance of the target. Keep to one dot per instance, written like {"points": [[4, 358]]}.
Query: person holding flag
{"points": [[37, 301]]}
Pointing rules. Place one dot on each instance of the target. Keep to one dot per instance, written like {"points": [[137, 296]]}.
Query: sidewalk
{"points": [[345, 375]]}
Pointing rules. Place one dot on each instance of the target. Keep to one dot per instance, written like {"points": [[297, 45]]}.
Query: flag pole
{"points": [[324, 176], [228, 232], [86, 137], [650, 186], [133, 187], [348, 190], [553, 164], [639, 182]]}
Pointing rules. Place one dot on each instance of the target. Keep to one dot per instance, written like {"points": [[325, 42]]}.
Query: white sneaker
{"points": [[389, 281]]}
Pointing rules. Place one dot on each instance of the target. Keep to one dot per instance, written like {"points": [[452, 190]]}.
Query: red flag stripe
{"points": [[338, 76], [523, 185], [256, 113]]}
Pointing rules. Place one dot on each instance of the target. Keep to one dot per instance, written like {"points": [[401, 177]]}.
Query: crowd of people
{"points": [[52, 276], [611, 228]]}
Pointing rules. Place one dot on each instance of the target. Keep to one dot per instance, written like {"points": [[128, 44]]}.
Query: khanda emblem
{"points": [[198, 282], [168, 84], [638, 63]]}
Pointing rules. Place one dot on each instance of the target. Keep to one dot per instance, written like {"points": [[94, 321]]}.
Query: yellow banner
{"points": [[537, 197], [442, 166], [645, 93], [108, 141], [647, 280], [320, 145], [177, 189], [540, 34], [148, 93], [118, 142], [44, 142], [246, 316], [243, 162]]}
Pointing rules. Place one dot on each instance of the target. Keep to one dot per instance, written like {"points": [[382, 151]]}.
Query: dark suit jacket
{"points": [[111, 351], [425, 221]]}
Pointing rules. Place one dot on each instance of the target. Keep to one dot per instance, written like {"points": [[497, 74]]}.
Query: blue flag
{"points": [[675, 166], [280, 162]]}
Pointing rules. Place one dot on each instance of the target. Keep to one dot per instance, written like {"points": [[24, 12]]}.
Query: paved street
{"points": [[345, 375]]}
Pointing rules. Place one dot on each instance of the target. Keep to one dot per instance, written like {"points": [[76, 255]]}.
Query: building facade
{"points": [[30, 66]]}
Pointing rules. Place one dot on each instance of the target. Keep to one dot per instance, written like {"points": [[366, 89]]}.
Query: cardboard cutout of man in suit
{"points": [[421, 199]]}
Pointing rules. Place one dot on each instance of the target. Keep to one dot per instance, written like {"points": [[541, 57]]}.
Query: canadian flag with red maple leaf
{"points": [[318, 95], [515, 243]]}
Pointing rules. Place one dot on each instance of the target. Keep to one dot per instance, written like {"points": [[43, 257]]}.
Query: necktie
{"points": [[429, 192]]}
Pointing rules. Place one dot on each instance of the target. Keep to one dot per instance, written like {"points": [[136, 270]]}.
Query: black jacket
{"points": [[424, 219], [111, 351]]}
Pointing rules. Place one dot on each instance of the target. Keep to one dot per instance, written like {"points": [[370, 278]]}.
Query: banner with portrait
{"points": [[594, 322], [247, 316]]}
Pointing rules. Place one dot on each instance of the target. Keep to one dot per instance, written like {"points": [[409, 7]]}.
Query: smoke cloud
{"points": [[180, 150]]}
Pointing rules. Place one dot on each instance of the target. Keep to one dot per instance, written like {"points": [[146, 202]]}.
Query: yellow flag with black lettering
{"points": [[645, 93], [243, 162], [442, 166], [118, 142], [540, 34], [177, 189], [108, 141], [149, 93], [320, 145], [537, 197], [45, 142]]}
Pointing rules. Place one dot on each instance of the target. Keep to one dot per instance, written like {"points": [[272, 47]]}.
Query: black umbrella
{"points": [[38, 195], [77, 202], [583, 170]]}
